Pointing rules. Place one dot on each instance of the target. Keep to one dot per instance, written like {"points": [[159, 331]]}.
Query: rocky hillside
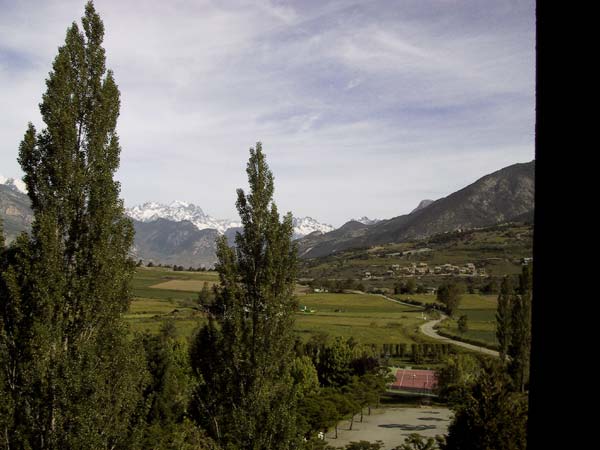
{"points": [[502, 196], [169, 242], [14, 210]]}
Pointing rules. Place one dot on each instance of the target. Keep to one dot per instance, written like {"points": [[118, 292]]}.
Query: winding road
{"points": [[428, 329]]}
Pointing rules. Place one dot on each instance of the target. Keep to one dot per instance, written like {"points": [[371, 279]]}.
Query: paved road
{"points": [[428, 330]]}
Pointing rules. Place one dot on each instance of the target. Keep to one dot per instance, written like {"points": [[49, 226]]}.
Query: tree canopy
{"points": [[243, 356], [450, 295], [69, 378]]}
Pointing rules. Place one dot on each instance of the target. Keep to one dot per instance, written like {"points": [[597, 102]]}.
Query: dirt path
{"points": [[392, 425]]}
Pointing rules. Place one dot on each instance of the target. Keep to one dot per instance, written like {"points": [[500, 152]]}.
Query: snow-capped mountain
{"points": [[366, 221], [13, 183], [303, 226], [178, 211]]}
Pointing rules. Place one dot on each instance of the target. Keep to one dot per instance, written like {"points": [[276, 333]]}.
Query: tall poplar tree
{"points": [[503, 317], [519, 349], [243, 356], [69, 376]]}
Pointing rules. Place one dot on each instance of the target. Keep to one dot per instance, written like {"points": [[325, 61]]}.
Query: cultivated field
{"points": [[161, 294], [368, 318]]}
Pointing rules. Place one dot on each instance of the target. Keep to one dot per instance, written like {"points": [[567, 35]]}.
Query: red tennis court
{"points": [[415, 380]]}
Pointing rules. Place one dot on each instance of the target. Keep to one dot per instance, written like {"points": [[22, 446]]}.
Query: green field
{"points": [[152, 306], [370, 319], [481, 319]]}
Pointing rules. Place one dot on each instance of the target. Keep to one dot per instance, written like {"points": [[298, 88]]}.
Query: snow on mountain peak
{"points": [[13, 183], [366, 221], [178, 211], [180, 204], [305, 225]]}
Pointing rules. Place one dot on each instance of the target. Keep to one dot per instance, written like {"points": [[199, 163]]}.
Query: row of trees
{"points": [[336, 285], [175, 267], [410, 286]]}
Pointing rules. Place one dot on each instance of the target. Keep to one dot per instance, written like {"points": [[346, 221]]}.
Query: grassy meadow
{"points": [[160, 294]]}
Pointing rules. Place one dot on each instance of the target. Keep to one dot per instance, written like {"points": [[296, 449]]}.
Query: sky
{"points": [[363, 108]]}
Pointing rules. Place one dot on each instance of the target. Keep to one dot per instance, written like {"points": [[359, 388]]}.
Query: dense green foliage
{"points": [[351, 377], [406, 287], [167, 395], [242, 358], [415, 441], [459, 371], [70, 378], [450, 295], [491, 415]]}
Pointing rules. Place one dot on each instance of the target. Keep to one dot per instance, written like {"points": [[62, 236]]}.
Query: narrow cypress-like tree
{"points": [[71, 378], [519, 350], [243, 355], [503, 315]]}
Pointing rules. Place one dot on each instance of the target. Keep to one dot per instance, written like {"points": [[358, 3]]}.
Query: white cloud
{"points": [[363, 108]]}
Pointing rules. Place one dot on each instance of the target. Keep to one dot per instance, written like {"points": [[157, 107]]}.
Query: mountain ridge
{"points": [[494, 198], [504, 195]]}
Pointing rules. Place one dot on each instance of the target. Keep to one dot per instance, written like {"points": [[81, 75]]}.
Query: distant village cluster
{"points": [[422, 268]]}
